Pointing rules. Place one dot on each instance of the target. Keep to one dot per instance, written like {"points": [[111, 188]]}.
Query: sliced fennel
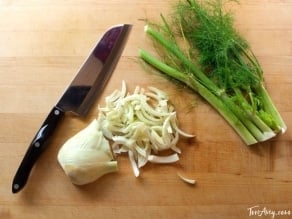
{"points": [[187, 180], [163, 159], [141, 124]]}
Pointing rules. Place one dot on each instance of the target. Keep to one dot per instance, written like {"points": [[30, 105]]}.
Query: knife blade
{"points": [[88, 83]]}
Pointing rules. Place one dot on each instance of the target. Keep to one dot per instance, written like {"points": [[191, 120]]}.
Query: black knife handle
{"points": [[37, 146]]}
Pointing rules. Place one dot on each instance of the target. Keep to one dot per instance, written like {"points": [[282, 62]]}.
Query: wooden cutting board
{"points": [[42, 45]]}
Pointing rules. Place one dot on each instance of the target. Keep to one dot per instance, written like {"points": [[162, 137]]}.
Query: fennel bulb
{"points": [[87, 156]]}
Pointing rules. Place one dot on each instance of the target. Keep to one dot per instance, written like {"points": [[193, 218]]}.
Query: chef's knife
{"points": [[79, 96]]}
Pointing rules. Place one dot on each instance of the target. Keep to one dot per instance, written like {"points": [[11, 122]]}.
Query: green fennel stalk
{"points": [[218, 64]]}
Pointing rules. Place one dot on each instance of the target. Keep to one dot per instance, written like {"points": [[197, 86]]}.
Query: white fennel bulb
{"points": [[87, 156]]}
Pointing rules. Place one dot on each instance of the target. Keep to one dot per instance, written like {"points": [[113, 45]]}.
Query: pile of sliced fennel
{"points": [[141, 124]]}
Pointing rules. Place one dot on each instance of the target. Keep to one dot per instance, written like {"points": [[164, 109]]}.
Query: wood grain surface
{"points": [[42, 45]]}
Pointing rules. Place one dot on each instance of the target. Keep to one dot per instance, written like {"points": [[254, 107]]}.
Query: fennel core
{"points": [[218, 64]]}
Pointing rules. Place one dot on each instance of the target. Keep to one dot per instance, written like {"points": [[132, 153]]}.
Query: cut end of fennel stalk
{"points": [[268, 135], [283, 129], [141, 124]]}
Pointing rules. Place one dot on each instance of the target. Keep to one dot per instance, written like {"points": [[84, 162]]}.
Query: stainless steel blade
{"points": [[95, 72]]}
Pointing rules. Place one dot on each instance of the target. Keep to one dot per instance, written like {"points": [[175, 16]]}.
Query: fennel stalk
{"points": [[219, 64]]}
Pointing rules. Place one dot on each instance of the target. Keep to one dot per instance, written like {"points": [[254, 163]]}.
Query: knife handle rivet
{"points": [[37, 144], [57, 112], [16, 186]]}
